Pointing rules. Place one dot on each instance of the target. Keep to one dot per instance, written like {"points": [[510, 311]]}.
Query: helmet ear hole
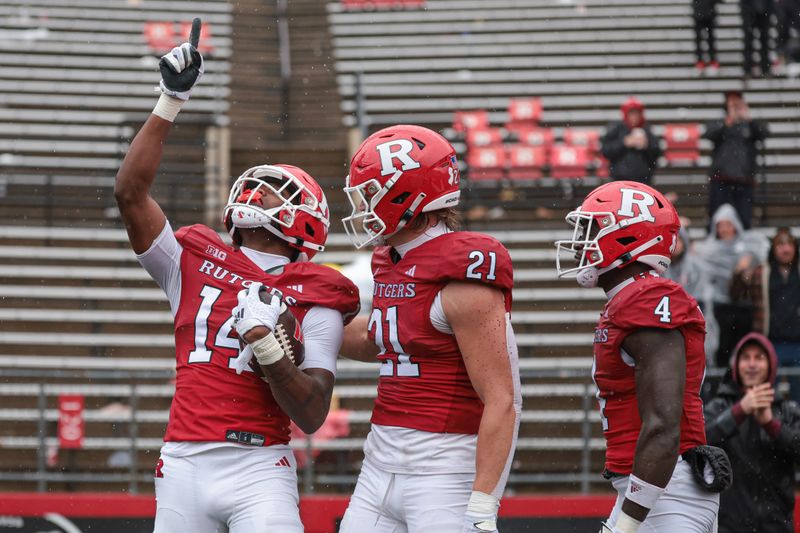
{"points": [[401, 198], [624, 241], [309, 229]]}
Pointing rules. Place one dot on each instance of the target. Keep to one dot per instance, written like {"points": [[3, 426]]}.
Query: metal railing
{"points": [[310, 475]]}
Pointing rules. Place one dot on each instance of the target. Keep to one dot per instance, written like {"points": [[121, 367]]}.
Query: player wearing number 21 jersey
{"points": [[446, 416], [226, 464], [649, 360]]}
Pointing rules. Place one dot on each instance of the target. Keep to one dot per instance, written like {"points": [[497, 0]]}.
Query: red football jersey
{"points": [[648, 302], [423, 381], [212, 402]]}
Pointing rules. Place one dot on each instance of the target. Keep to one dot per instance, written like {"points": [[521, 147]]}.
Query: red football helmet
{"points": [[618, 223], [301, 218], [397, 173]]}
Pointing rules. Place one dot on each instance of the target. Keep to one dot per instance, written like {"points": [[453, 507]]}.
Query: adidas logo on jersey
{"points": [[410, 272], [284, 462], [297, 288]]}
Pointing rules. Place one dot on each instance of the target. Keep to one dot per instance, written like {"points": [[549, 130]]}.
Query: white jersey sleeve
{"points": [[323, 330], [163, 262]]}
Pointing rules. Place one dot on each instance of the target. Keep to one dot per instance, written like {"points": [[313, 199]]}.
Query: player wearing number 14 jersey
{"points": [[649, 362], [226, 464], [446, 416]]}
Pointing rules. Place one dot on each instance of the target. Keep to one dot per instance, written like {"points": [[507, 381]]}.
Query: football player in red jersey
{"points": [[446, 417], [226, 464], [649, 363]]}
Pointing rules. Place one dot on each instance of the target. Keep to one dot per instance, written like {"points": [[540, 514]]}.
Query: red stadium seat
{"points": [[484, 137], [569, 161], [524, 111], [587, 138], [591, 140], [526, 162], [486, 163], [535, 136], [467, 120], [682, 143], [160, 36]]}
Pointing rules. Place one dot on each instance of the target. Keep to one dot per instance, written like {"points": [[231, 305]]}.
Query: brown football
{"points": [[287, 332]]}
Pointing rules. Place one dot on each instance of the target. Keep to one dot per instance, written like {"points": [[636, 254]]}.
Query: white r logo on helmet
{"points": [[398, 149], [642, 200]]}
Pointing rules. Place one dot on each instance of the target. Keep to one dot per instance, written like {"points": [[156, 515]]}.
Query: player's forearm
{"points": [[654, 461], [496, 433], [302, 397], [356, 344], [138, 170]]}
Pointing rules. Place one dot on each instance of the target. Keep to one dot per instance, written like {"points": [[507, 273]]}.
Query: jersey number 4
{"points": [[200, 353], [662, 310], [404, 368]]}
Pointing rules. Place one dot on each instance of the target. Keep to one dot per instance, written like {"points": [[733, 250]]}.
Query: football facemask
{"points": [[273, 198]]}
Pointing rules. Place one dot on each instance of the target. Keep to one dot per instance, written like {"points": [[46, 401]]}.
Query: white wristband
{"points": [[267, 350], [482, 503], [642, 492], [168, 107], [626, 524]]}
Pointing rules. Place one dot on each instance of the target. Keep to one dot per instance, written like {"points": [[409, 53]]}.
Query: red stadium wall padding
{"points": [[319, 513]]}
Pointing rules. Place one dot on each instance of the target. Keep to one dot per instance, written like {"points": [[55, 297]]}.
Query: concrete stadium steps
{"points": [[77, 82], [577, 58], [582, 60]]}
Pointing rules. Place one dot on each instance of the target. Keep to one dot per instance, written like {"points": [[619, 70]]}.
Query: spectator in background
{"points": [[761, 435], [726, 250], [705, 18], [687, 269], [756, 16], [733, 163], [787, 13], [630, 146], [774, 288]]}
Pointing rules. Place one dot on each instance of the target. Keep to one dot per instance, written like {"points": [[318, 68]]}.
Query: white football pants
{"points": [[230, 488], [684, 507], [407, 503]]}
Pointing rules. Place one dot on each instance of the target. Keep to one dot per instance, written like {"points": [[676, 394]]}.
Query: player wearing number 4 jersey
{"points": [[649, 363], [226, 464], [446, 417]]}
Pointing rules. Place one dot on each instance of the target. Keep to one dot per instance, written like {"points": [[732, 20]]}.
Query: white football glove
{"points": [[251, 312], [182, 67], [481, 515]]}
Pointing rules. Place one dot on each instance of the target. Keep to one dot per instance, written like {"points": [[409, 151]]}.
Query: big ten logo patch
{"points": [[600, 335], [213, 251]]}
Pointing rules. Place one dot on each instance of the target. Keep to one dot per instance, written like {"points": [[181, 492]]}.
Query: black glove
{"points": [[182, 67], [718, 462]]}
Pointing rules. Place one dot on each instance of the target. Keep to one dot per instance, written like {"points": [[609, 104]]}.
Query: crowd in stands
{"points": [[759, 18]]}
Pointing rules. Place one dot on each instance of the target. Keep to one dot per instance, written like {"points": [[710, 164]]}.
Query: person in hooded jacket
{"points": [[761, 434], [727, 250], [631, 148]]}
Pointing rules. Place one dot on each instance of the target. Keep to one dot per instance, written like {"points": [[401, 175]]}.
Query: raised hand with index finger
{"points": [[182, 67]]}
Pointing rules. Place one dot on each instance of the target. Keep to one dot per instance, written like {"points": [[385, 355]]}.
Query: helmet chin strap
{"points": [[589, 277]]}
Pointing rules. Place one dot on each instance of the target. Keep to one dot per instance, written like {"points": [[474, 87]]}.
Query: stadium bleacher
{"points": [[79, 316], [77, 81], [581, 60]]}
